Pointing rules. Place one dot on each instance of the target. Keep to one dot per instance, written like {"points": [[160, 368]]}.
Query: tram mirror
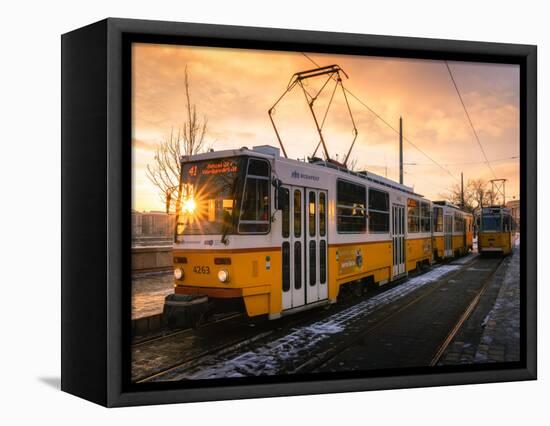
{"points": [[281, 199]]}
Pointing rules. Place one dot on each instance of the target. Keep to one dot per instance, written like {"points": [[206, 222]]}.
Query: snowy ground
{"points": [[500, 339], [274, 357], [463, 260], [491, 333]]}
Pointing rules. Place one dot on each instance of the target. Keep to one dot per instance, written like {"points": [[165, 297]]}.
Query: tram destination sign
{"points": [[214, 167]]}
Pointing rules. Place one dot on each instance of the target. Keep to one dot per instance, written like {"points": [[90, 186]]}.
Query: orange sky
{"points": [[235, 88]]}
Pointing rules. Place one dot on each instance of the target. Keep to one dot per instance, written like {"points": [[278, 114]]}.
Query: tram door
{"points": [[448, 235], [292, 249], [316, 245], [398, 237]]}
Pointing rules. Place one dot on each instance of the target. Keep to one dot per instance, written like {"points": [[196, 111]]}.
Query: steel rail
{"points": [[185, 330], [465, 315], [318, 361]]}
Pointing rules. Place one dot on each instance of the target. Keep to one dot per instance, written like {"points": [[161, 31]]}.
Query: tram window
{"points": [[311, 212], [323, 261], [491, 222], [322, 214], [379, 211], [413, 213], [258, 168], [297, 213], [286, 214], [351, 217], [425, 219], [255, 207], [286, 266], [459, 222], [438, 219], [312, 263], [297, 265]]}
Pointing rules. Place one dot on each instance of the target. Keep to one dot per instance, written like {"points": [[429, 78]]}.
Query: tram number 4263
{"points": [[201, 269]]}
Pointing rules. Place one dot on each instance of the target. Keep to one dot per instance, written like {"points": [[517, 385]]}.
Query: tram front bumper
{"points": [[185, 310], [210, 292]]}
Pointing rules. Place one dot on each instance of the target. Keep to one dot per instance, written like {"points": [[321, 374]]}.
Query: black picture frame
{"points": [[96, 221]]}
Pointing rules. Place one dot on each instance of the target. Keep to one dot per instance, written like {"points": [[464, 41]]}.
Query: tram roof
{"points": [[369, 176], [270, 152]]}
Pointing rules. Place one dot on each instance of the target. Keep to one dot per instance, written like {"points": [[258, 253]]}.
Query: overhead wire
{"points": [[496, 160], [389, 125], [470, 120]]}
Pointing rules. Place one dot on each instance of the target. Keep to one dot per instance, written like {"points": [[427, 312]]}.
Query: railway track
{"points": [[141, 341], [189, 333], [230, 348], [214, 343], [465, 315], [317, 362]]}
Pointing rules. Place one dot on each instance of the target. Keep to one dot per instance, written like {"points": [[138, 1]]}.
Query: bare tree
{"points": [[164, 171], [454, 196], [477, 194], [480, 192]]}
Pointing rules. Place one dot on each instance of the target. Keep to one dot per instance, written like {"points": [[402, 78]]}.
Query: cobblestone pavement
{"points": [[148, 293], [491, 333]]}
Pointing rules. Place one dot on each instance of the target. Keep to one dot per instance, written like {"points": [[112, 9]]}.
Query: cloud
{"points": [[234, 89], [142, 144]]}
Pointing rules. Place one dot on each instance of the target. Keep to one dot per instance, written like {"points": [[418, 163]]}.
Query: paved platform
{"points": [[148, 293], [492, 333]]}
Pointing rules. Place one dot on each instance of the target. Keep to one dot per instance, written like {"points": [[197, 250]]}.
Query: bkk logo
{"points": [[297, 175]]}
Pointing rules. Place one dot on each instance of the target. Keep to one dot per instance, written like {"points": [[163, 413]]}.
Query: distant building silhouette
{"points": [[152, 224]]}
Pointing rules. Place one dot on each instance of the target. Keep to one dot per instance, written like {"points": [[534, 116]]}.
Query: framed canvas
{"points": [[255, 212]]}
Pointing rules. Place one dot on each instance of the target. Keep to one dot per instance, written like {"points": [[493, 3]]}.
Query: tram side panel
{"points": [[357, 261], [419, 251]]}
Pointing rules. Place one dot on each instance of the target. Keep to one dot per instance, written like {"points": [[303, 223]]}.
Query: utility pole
{"points": [[401, 150], [462, 190]]}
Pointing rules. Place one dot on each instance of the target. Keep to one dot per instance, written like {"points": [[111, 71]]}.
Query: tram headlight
{"points": [[223, 275], [178, 274]]}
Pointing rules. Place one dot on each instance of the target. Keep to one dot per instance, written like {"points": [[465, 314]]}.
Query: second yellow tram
{"points": [[497, 230]]}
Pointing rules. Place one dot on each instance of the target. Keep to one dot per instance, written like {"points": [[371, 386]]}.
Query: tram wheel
{"points": [[357, 288]]}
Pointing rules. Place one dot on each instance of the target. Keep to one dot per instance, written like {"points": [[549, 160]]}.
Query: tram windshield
{"points": [[214, 191], [491, 222]]}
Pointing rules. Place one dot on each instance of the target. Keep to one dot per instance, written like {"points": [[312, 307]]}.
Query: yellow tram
{"points": [[452, 231], [281, 235], [496, 230]]}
